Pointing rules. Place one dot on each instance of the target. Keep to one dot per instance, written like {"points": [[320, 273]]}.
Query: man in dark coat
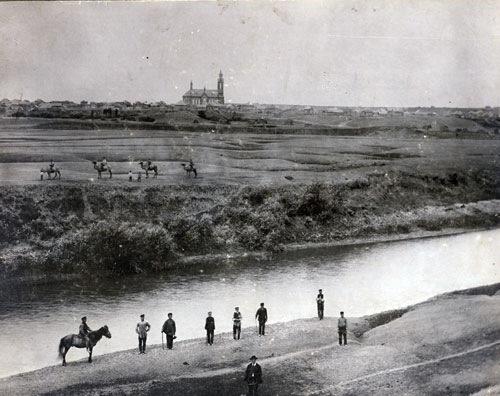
{"points": [[210, 328], [169, 329], [253, 376], [320, 300], [261, 316]]}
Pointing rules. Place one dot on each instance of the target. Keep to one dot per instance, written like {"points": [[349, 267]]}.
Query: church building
{"points": [[200, 97]]}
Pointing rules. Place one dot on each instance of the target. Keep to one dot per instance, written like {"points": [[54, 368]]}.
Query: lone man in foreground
{"points": [[342, 325], [142, 330], [210, 328], [84, 330], [237, 323], [169, 329], [320, 300], [261, 316], [253, 376]]}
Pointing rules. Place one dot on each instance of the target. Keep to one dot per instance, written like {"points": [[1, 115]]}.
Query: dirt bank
{"points": [[72, 229], [447, 345]]}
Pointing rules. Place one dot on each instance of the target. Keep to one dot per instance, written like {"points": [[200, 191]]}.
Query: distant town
{"points": [[215, 114]]}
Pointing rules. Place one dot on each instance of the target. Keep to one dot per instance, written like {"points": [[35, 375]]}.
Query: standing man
{"points": [[320, 300], [84, 330], [237, 323], [210, 328], [169, 329], [253, 376], [130, 175], [261, 316], [142, 330], [342, 325]]}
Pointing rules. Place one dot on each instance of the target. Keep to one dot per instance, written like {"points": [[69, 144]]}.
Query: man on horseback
{"points": [[51, 165], [104, 163], [84, 331]]}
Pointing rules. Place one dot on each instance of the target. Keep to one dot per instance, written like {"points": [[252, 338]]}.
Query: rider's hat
{"points": [[253, 357], [142, 315], [84, 318]]}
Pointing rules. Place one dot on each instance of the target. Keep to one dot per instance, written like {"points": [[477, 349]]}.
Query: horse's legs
{"points": [[110, 174], [64, 355], [90, 355], [99, 175], [147, 174]]}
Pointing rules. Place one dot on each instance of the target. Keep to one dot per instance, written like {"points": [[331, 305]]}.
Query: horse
{"points": [[48, 170], [189, 168], [102, 168], [74, 340], [149, 167]]}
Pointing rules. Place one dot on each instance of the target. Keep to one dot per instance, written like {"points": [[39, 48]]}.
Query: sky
{"points": [[334, 53]]}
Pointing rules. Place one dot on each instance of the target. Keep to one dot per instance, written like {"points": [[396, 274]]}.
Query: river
{"points": [[358, 279]]}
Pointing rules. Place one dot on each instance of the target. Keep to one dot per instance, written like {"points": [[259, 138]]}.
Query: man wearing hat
{"points": [[261, 316], [84, 331], [142, 330], [237, 323], [169, 329], [342, 325], [253, 376], [210, 328], [320, 300]]}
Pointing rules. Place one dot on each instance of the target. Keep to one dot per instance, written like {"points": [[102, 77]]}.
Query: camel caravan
{"points": [[103, 167]]}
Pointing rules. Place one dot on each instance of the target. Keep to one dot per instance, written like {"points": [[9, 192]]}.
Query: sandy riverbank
{"points": [[447, 345]]}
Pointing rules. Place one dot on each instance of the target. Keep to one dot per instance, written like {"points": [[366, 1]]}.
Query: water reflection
{"points": [[360, 280]]}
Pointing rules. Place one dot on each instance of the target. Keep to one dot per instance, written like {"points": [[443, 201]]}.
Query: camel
{"points": [[102, 168], [48, 170], [148, 166], [189, 168]]}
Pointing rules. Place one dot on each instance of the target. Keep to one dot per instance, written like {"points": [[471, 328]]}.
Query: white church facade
{"points": [[200, 97]]}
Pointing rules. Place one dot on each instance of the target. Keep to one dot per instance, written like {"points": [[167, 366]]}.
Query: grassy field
{"points": [[254, 192]]}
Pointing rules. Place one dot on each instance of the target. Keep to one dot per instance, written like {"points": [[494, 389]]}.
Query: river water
{"points": [[358, 279]]}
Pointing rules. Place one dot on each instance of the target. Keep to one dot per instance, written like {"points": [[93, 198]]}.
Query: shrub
{"points": [[115, 248]]}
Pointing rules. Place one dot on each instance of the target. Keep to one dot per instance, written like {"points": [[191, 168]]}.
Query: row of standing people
{"points": [[169, 327]]}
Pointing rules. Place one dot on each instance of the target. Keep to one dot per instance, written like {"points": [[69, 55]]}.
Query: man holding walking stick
{"points": [[169, 329]]}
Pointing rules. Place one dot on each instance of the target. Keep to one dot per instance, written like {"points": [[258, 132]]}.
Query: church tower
{"points": [[220, 88]]}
